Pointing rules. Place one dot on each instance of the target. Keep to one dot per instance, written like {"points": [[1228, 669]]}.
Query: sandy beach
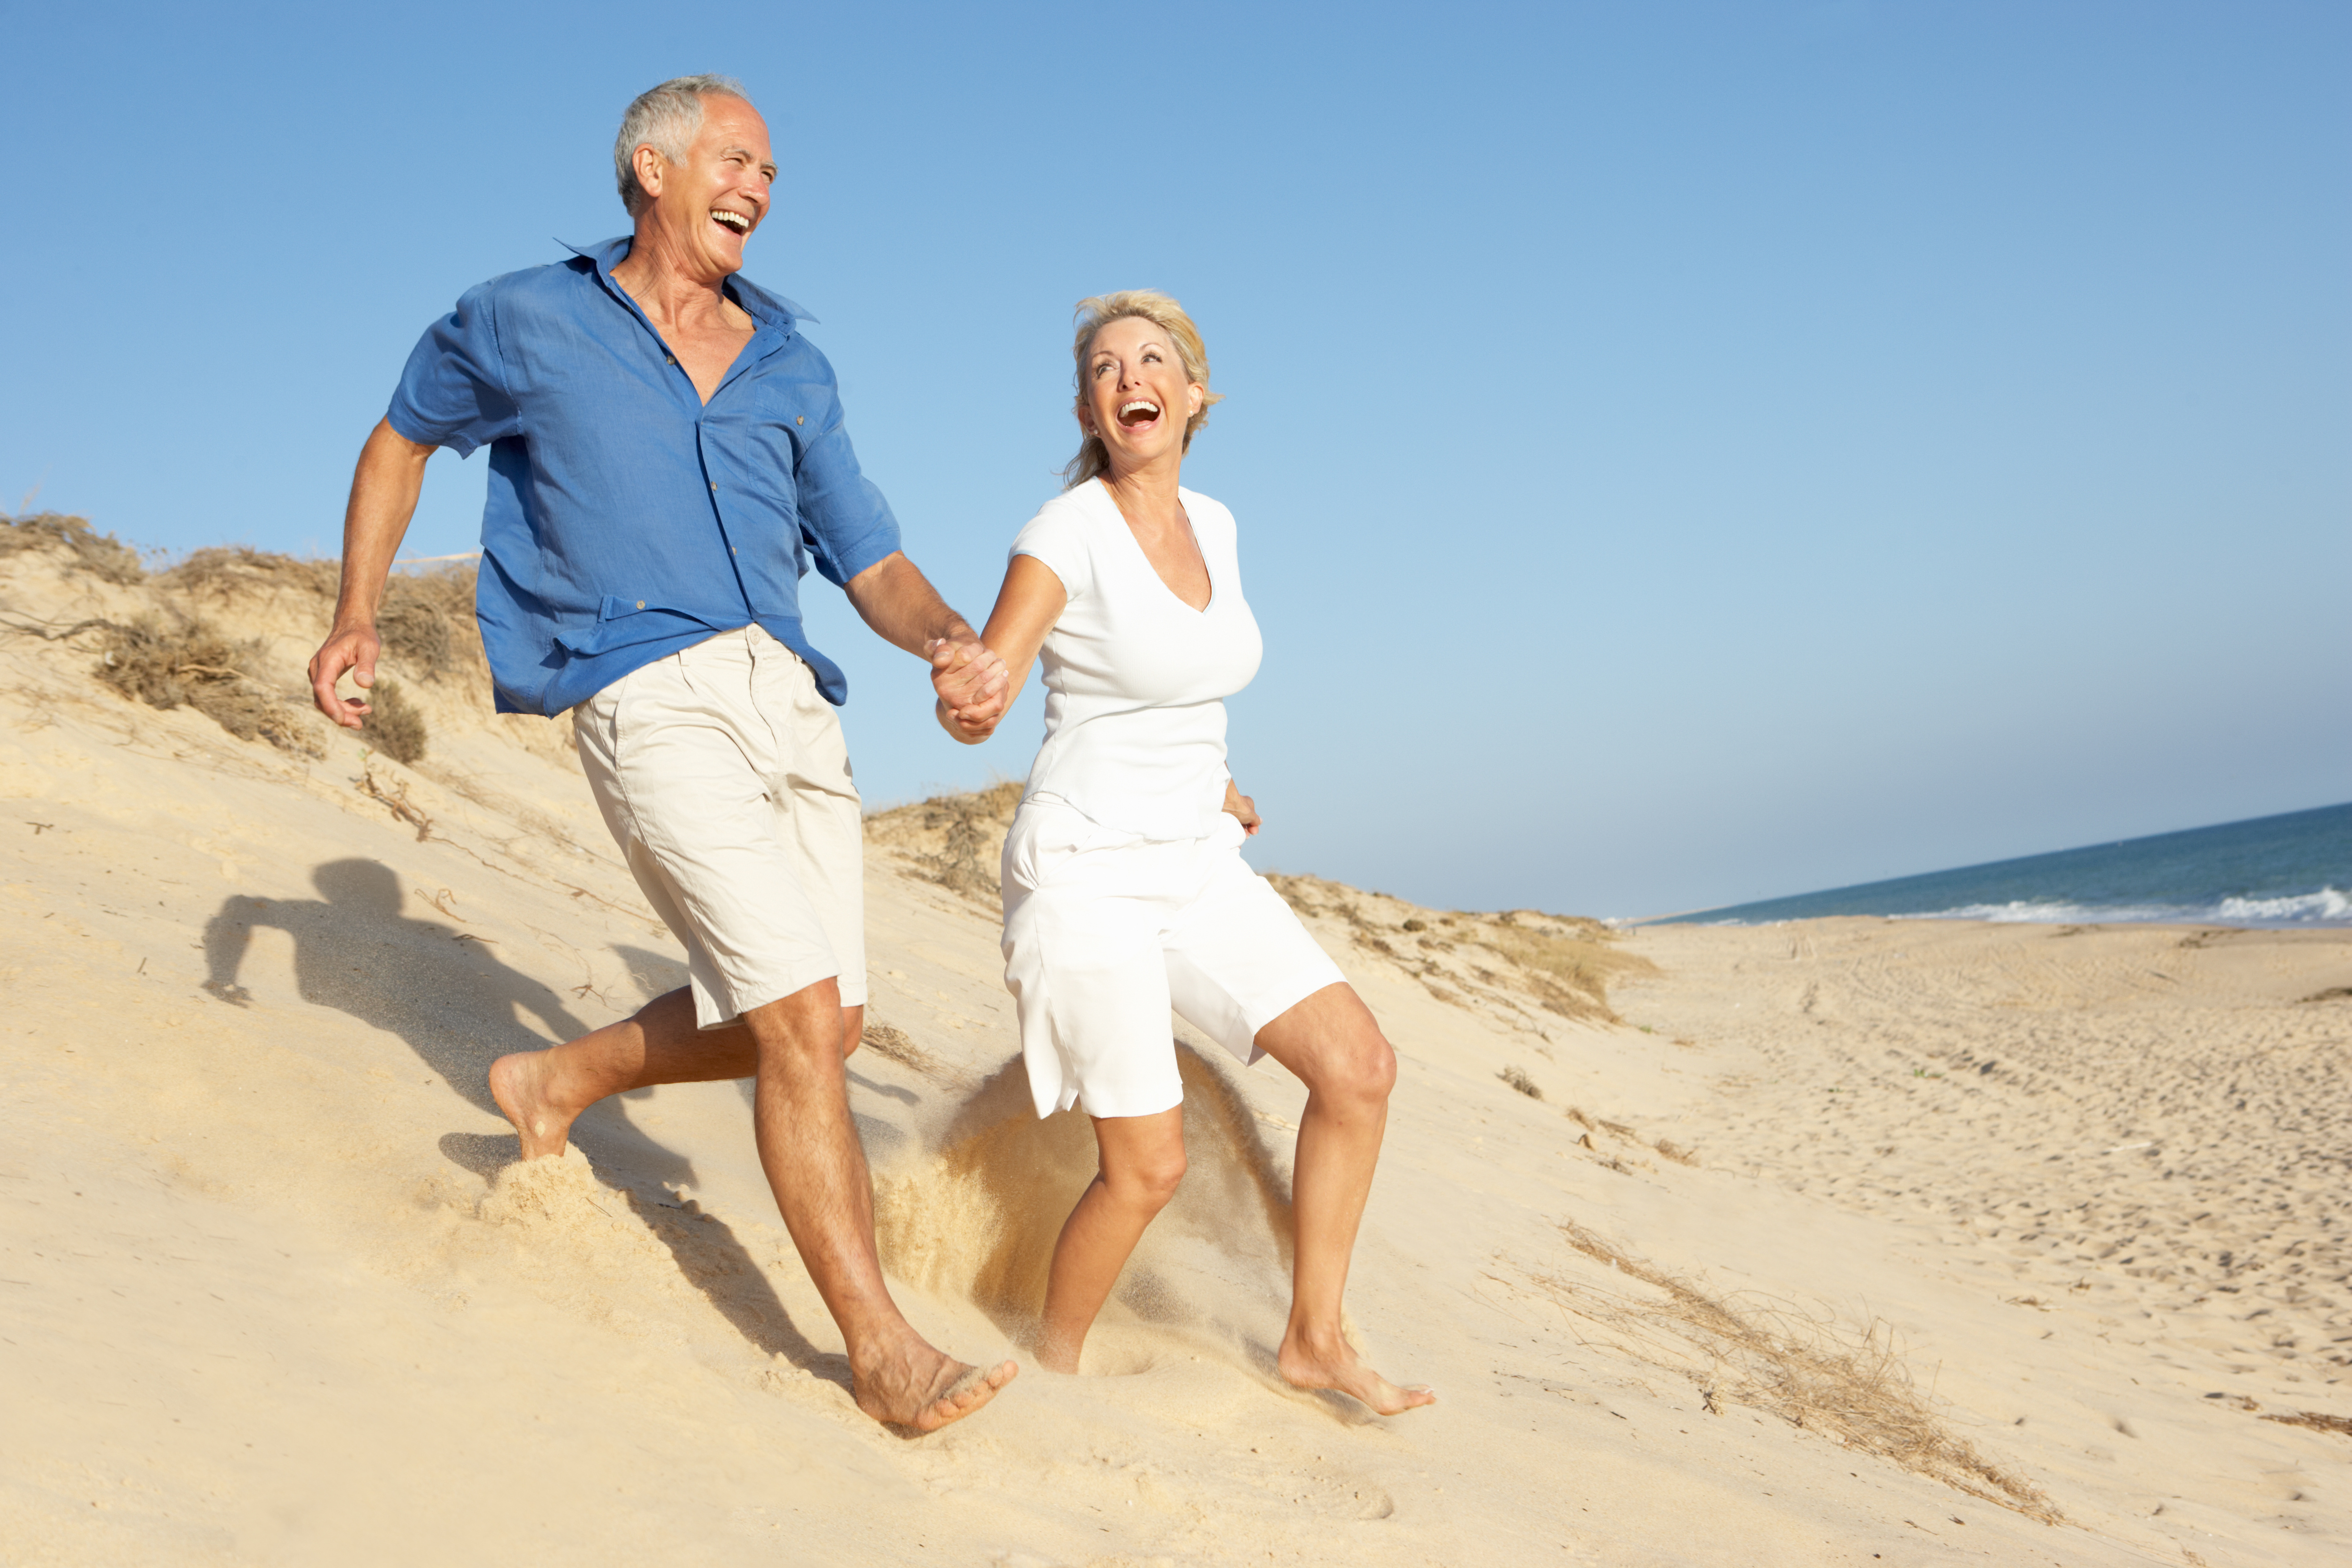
{"points": [[1841, 1242]]}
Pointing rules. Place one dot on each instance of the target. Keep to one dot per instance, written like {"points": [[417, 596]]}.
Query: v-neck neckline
{"points": [[1137, 544]]}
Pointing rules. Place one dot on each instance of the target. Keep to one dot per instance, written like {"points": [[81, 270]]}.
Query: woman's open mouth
{"points": [[1137, 412]]}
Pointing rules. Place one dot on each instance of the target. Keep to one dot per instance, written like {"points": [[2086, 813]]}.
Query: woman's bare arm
{"points": [[1027, 608]]}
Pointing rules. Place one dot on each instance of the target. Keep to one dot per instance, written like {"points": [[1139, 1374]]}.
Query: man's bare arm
{"points": [[898, 602], [384, 488]]}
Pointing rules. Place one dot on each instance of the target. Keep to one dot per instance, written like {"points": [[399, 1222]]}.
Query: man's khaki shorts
{"points": [[725, 781]]}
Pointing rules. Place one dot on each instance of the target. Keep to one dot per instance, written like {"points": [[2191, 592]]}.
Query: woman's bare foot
{"points": [[921, 1388], [520, 1084], [1335, 1368]]}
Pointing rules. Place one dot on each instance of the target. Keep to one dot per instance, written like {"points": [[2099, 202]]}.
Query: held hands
{"points": [[1244, 809], [972, 684], [352, 648]]}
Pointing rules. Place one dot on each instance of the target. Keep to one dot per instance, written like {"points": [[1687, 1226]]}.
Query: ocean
{"points": [[2289, 870]]}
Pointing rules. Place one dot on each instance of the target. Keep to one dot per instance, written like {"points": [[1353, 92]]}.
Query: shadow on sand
{"points": [[445, 991]]}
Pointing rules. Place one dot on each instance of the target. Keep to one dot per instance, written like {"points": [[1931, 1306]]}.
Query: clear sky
{"points": [[1683, 453]]}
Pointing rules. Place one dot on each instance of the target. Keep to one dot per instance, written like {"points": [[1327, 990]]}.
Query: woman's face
{"points": [[1135, 393]]}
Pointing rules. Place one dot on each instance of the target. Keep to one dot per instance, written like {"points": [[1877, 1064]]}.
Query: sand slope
{"points": [[270, 1291]]}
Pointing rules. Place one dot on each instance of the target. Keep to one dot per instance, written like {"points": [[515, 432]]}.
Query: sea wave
{"points": [[2327, 907]]}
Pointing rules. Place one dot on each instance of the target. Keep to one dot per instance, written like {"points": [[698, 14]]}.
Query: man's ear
{"points": [[648, 165]]}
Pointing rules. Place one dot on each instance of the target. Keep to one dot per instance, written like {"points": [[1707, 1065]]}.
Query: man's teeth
{"points": [[735, 221]]}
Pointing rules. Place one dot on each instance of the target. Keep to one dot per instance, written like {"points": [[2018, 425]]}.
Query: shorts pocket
{"points": [[1043, 841]]}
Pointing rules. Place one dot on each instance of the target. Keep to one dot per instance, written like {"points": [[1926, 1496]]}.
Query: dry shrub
{"points": [[102, 555], [1853, 1388], [427, 619], [167, 664], [226, 571], [394, 723], [1675, 1152], [1517, 1078], [953, 838]]}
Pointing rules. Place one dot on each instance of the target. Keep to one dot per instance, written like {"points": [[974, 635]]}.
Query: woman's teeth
{"points": [[1137, 412]]}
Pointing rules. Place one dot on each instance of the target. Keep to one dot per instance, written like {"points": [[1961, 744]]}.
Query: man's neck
{"points": [[668, 293]]}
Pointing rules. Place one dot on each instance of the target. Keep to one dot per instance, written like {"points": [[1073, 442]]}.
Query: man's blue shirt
{"points": [[626, 518]]}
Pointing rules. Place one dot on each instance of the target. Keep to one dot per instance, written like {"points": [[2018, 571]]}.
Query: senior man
{"points": [[667, 456]]}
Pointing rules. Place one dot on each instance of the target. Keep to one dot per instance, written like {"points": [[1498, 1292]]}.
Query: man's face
{"points": [[709, 206]]}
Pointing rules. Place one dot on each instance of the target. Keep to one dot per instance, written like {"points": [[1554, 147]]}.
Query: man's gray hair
{"points": [[665, 119]]}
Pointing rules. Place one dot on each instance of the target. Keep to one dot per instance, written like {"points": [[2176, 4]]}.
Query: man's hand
{"points": [[1243, 808], [354, 649], [385, 488], [973, 685]]}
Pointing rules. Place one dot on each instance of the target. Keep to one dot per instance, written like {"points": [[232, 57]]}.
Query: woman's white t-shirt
{"points": [[1135, 677]]}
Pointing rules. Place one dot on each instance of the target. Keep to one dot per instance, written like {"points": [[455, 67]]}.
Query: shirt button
{"points": [[799, 420], [641, 604], [714, 489], [669, 359]]}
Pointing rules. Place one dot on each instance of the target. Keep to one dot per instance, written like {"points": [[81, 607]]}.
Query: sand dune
{"points": [[1851, 1242]]}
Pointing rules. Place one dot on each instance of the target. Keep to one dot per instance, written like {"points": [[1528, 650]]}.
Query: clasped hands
{"points": [[973, 687]]}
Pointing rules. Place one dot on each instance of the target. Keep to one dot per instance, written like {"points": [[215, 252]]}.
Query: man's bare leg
{"points": [[815, 1166], [543, 1092], [1332, 1042], [1141, 1160]]}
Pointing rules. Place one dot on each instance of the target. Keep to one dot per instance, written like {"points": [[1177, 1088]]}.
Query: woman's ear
{"points": [[1197, 397]]}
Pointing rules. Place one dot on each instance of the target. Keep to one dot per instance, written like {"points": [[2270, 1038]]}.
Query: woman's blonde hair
{"points": [[1161, 311]]}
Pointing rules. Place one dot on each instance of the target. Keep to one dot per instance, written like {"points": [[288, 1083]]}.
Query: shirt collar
{"points": [[768, 309]]}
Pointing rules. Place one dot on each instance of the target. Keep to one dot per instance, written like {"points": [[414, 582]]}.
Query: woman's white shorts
{"points": [[1104, 932]]}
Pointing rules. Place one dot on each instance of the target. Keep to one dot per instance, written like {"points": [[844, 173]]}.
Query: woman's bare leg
{"points": [[1331, 1042], [1142, 1160]]}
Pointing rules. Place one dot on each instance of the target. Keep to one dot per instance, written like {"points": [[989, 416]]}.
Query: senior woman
{"points": [[1125, 890]]}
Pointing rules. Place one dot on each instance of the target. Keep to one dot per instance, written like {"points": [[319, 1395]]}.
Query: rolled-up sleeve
{"points": [[452, 392], [846, 524]]}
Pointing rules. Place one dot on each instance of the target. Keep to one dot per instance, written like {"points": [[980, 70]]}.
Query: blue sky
{"points": [[1685, 453]]}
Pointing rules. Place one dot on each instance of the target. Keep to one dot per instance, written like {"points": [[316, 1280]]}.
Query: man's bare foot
{"points": [[1337, 1369], [519, 1083], [921, 1388]]}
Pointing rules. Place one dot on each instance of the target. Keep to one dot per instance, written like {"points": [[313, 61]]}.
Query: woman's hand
{"points": [[1027, 608], [972, 687], [1244, 809]]}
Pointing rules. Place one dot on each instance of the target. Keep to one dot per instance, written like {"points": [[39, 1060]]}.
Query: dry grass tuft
{"points": [[1675, 1152], [1854, 1389], [2315, 1421], [102, 555], [1517, 1078], [394, 723], [165, 664], [1576, 1114], [1570, 960]]}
